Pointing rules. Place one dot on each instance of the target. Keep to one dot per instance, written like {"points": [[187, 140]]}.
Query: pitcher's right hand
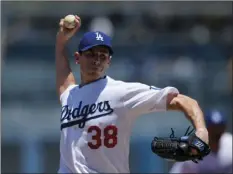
{"points": [[64, 34]]}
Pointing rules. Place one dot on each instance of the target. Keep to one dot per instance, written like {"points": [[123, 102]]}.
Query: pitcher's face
{"points": [[94, 61]]}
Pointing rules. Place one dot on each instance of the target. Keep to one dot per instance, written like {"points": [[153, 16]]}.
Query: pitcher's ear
{"points": [[109, 60], [77, 57]]}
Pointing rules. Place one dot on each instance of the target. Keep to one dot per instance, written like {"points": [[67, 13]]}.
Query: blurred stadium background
{"points": [[183, 44]]}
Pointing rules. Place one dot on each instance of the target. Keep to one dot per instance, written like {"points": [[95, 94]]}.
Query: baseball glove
{"points": [[185, 148]]}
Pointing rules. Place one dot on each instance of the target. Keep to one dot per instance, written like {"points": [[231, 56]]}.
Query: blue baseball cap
{"points": [[214, 117], [95, 38]]}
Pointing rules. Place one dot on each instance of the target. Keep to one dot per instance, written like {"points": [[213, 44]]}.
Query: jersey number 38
{"points": [[109, 135]]}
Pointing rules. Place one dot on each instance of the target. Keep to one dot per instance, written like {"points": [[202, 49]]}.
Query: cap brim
{"points": [[89, 47]]}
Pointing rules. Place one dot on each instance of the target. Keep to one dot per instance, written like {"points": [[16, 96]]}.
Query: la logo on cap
{"points": [[99, 36]]}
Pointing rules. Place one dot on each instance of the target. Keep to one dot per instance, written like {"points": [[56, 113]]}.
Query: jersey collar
{"points": [[80, 86]]}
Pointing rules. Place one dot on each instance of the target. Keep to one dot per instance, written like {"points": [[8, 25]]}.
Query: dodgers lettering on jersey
{"points": [[96, 121], [78, 116]]}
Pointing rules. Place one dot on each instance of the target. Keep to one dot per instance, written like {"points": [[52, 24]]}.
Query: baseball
{"points": [[69, 21]]}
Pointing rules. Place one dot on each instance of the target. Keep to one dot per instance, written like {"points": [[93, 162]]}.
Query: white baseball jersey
{"points": [[96, 122], [213, 163]]}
